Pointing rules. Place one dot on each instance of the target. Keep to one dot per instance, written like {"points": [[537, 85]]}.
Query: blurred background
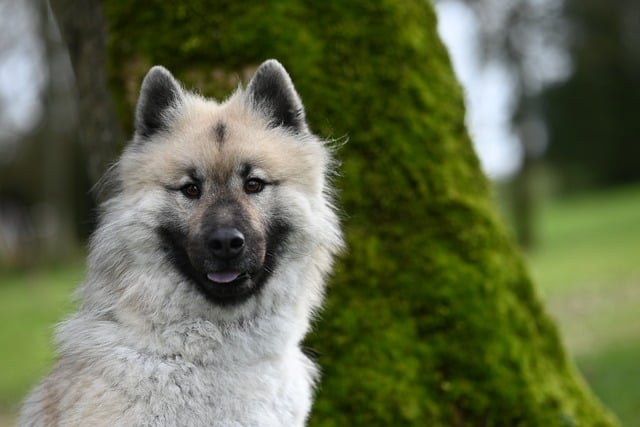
{"points": [[553, 107]]}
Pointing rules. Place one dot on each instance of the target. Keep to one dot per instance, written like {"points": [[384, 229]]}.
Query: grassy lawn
{"points": [[30, 304], [588, 241], [587, 267], [614, 375]]}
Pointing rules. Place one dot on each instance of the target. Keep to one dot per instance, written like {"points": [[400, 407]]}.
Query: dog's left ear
{"points": [[159, 94], [271, 92]]}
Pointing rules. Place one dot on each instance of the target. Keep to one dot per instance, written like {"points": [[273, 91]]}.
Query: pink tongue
{"points": [[223, 276]]}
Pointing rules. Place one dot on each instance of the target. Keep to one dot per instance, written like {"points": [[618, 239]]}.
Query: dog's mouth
{"points": [[228, 286]]}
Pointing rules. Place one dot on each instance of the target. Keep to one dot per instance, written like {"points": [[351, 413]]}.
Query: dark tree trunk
{"points": [[83, 30]]}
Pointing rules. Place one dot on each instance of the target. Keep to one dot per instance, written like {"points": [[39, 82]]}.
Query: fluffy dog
{"points": [[208, 262]]}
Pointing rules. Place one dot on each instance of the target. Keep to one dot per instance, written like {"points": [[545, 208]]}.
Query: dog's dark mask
{"points": [[228, 260]]}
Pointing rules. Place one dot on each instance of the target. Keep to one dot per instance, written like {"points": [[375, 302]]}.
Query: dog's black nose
{"points": [[226, 243]]}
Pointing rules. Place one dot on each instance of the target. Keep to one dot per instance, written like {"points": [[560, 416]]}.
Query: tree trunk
{"points": [[56, 214], [431, 318], [524, 196], [82, 26]]}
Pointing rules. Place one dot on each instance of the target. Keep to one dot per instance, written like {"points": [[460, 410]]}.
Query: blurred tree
{"points": [[38, 175], [20, 31], [593, 117], [60, 196], [431, 318], [82, 27], [525, 38]]}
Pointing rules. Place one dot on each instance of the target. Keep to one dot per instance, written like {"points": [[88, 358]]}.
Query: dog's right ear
{"points": [[160, 92]]}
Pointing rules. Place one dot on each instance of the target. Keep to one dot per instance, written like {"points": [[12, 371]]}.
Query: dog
{"points": [[207, 265]]}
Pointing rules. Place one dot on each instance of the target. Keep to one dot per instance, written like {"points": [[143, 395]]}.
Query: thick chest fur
{"points": [[128, 388]]}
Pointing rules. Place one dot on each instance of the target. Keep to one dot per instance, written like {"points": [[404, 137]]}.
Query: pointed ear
{"points": [[159, 93], [271, 92]]}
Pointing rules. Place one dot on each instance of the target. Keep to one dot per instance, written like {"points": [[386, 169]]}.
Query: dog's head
{"points": [[232, 190]]}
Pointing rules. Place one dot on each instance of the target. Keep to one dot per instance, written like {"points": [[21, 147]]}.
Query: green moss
{"points": [[431, 318]]}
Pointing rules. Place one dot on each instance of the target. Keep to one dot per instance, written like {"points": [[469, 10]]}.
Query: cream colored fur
{"points": [[145, 347]]}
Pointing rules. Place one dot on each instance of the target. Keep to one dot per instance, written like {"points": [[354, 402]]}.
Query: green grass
{"points": [[30, 305], [587, 268], [614, 375], [588, 241]]}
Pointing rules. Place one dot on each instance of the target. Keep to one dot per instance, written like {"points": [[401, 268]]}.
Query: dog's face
{"points": [[221, 225], [234, 187]]}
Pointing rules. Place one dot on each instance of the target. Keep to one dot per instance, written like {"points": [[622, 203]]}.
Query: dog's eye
{"points": [[191, 191], [253, 185]]}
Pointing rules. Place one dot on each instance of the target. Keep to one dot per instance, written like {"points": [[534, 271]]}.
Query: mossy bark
{"points": [[431, 318]]}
